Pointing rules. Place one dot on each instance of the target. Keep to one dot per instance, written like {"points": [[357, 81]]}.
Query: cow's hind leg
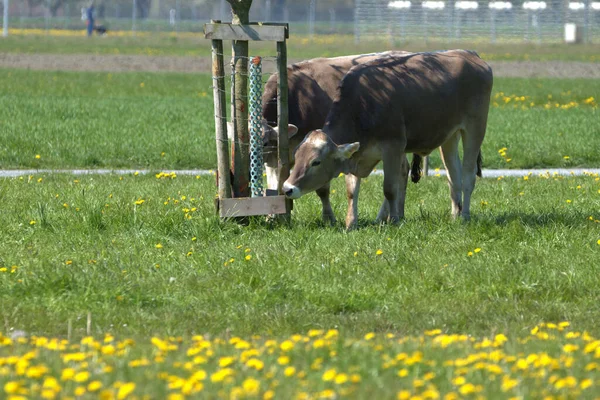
{"points": [[395, 177], [352, 190], [472, 139], [451, 159], [328, 216]]}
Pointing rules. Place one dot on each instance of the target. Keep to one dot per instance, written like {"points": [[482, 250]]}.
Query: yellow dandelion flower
{"points": [[79, 391], [94, 386], [158, 246], [125, 390], [466, 389], [82, 376], [12, 387], [329, 375], [220, 375], [369, 336], [251, 386], [248, 257], [403, 395], [570, 348], [255, 363], [470, 254], [379, 252], [226, 361], [586, 383], [341, 379], [508, 383], [67, 374], [287, 345], [32, 222], [283, 360], [477, 250]]}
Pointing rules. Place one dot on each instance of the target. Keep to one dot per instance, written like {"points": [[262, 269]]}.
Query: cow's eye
{"points": [[315, 163]]}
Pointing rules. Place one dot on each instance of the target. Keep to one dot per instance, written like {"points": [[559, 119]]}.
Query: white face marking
{"points": [[318, 142]]}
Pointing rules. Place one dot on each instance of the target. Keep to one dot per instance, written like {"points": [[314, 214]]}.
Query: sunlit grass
{"points": [[181, 304], [165, 121]]}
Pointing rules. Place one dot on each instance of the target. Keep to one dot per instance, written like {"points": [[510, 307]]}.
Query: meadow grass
{"points": [[183, 304], [147, 255], [165, 121], [299, 46]]}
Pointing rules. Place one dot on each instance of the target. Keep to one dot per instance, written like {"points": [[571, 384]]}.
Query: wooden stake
{"points": [[218, 72], [283, 152]]}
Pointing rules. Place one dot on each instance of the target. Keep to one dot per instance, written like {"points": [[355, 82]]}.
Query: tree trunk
{"points": [[240, 153], [241, 11]]}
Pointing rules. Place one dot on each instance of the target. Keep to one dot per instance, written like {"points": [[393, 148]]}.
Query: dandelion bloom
{"points": [[379, 252]]}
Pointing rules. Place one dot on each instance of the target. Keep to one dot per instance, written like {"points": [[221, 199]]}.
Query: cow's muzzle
{"points": [[291, 191]]}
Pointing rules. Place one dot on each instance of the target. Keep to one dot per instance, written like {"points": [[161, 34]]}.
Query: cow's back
{"points": [[312, 87], [423, 96]]}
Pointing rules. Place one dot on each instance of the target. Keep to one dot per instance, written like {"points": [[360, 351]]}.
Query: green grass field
{"points": [[183, 305], [300, 47], [165, 121], [146, 258]]}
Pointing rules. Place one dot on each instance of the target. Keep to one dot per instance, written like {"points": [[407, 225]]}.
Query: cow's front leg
{"points": [[395, 178], [352, 189], [384, 212], [328, 216]]}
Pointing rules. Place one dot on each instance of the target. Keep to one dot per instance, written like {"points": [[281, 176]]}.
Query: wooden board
{"points": [[246, 206], [276, 33]]}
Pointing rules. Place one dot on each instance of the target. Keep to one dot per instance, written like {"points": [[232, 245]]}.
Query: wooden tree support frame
{"points": [[234, 201]]}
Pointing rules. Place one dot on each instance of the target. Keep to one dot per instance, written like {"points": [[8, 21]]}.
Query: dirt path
{"points": [[121, 63]]}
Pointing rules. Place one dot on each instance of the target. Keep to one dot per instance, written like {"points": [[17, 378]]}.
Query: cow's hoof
{"points": [[394, 220], [329, 219]]}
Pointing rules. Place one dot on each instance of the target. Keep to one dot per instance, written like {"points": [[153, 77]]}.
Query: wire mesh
{"points": [[255, 126]]}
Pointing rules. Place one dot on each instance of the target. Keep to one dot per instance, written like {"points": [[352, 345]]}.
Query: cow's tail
{"points": [[479, 162], [416, 168]]}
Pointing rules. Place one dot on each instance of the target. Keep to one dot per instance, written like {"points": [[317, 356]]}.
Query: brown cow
{"points": [[312, 87], [394, 105]]}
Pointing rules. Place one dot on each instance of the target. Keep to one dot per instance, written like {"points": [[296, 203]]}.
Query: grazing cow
{"points": [[393, 105], [312, 87]]}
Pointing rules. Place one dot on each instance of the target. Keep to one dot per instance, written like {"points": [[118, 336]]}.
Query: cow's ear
{"points": [[292, 130], [345, 151]]}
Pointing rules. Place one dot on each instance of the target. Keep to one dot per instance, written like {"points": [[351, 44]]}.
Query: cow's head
{"points": [[318, 161], [269, 134]]}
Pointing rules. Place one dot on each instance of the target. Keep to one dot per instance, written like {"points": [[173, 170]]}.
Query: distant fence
{"points": [[396, 20], [494, 21]]}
